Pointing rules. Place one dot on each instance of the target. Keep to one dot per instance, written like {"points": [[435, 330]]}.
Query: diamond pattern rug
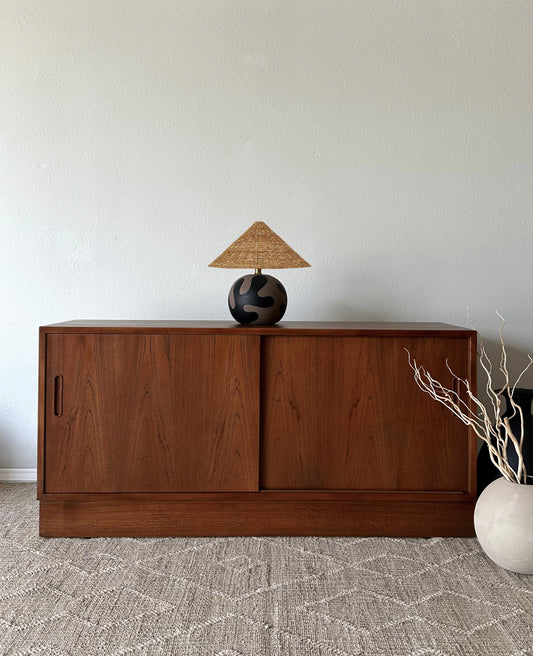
{"points": [[252, 596]]}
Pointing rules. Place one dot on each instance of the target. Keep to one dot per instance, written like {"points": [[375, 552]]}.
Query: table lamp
{"points": [[258, 299]]}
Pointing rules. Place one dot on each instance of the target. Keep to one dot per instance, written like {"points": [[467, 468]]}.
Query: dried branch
{"points": [[493, 429]]}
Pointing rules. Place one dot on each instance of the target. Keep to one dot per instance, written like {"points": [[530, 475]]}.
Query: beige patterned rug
{"points": [[252, 596]]}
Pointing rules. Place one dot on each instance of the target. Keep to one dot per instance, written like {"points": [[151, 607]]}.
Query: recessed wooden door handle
{"points": [[58, 396]]}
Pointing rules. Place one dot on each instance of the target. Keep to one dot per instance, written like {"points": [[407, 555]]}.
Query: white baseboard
{"points": [[17, 475]]}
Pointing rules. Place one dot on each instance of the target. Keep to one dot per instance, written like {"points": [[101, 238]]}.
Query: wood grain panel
{"points": [[152, 413], [345, 413], [117, 517]]}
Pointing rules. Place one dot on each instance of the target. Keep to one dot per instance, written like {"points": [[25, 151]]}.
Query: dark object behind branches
{"points": [[486, 471]]}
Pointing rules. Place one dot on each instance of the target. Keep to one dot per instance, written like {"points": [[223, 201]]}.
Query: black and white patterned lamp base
{"points": [[257, 299]]}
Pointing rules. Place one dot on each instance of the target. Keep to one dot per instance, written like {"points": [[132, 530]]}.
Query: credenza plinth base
{"points": [[124, 516]]}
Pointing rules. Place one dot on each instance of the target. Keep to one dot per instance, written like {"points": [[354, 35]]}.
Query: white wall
{"points": [[388, 142]]}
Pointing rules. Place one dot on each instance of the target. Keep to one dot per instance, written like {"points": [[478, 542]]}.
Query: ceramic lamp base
{"points": [[257, 299]]}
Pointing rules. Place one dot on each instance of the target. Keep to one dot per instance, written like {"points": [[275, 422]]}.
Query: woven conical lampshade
{"points": [[259, 248]]}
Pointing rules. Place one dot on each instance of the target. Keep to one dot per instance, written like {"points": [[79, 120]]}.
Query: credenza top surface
{"points": [[283, 328]]}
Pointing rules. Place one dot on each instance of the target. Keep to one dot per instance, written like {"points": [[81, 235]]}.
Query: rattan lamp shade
{"points": [[259, 248]]}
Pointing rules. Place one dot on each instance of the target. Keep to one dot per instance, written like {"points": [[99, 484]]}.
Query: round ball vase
{"points": [[503, 519], [257, 299]]}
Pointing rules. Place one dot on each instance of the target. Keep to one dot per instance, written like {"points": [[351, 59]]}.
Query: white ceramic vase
{"points": [[503, 519]]}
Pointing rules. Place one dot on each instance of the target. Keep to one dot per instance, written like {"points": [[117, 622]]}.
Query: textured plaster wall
{"points": [[390, 143]]}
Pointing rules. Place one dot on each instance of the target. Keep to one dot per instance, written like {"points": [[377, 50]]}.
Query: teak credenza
{"points": [[182, 428]]}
